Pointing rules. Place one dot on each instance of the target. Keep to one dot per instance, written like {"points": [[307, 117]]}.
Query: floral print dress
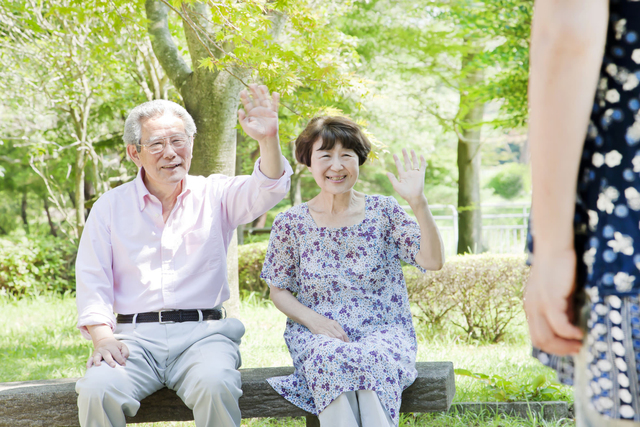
{"points": [[606, 226], [352, 275]]}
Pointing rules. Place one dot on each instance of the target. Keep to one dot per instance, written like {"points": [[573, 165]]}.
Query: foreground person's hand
{"points": [[548, 303]]}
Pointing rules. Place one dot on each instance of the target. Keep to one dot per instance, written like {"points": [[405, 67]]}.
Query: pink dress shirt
{"points": [[129, 261]]}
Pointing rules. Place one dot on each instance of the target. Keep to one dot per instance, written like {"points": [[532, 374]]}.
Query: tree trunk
{"points": [[52, 226], [79, 191], [23, 210], [470, 215], [212, 99]]}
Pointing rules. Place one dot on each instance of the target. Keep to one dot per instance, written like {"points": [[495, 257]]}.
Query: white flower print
{"points": [[633, 133], [623, 281], [612, 69], [593, 293], [612, 158], [635, 56], [606, 199], [593, 219], [589, 257], [597, 159], [633, 198], [621, 243], [612, 96], [620, 27], [636, 163], [631, 83]]}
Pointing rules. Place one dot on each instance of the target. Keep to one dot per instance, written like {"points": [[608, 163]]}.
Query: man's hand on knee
{"points": [[106, 347], [111, 351]]}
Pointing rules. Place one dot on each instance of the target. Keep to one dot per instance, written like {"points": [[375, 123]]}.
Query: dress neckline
{"points": [[348, 227]]}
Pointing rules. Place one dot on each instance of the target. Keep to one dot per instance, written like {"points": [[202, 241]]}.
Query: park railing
{"points": [[504, 227]]}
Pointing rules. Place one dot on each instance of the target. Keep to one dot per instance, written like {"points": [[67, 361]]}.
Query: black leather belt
{"points": [[171, 316]]}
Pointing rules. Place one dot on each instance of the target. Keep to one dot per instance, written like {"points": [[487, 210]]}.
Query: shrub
{"points": [[510, 181], [480, 294], [250, 260], [33, 265]]}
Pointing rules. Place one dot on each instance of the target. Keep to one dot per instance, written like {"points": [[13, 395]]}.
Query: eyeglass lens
{"points": [[157, 145]]}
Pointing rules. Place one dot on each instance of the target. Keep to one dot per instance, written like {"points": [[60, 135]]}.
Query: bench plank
{"points": [[53, 402]]}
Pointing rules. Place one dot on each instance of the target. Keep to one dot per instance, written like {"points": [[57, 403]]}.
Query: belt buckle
{"points": [[162, 322]]}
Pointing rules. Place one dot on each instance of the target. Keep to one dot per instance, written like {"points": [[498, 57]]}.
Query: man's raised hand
{"points": [[259, 118]]}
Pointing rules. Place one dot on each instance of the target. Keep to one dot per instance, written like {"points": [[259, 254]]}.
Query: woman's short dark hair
{"points": [[332, 130]]}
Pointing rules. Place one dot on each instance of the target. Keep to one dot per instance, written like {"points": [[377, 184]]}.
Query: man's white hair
{"points": [[150, 110]]}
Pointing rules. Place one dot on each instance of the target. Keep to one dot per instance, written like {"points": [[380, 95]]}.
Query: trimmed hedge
{"points": [[481, 294], [478, 294], [250, 260]]}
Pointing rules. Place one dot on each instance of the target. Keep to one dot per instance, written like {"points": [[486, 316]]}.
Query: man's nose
{"points": [[169, 151]]}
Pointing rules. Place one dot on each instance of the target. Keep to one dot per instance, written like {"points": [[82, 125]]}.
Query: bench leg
{"points": [[312, 421]]}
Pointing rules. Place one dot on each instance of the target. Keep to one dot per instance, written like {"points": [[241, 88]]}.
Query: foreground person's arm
{"points": [[567, 45], [298, 312]]}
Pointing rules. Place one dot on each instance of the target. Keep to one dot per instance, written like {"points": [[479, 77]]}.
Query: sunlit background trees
{"points": [[445, 77]]}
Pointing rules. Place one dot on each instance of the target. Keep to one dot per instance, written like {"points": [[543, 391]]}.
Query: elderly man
{"points": [[154, 251]]}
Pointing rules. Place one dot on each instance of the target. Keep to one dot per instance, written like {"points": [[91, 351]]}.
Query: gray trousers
{"points": [[199, 360]]}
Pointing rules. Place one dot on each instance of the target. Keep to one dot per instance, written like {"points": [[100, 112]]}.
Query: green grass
{"points": [[39, 340]]}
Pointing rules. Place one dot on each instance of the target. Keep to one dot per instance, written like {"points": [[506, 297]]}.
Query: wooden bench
{"points": [[53, 402]]}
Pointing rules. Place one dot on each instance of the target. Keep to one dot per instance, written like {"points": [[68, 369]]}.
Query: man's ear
{"points": [[134, 155]]}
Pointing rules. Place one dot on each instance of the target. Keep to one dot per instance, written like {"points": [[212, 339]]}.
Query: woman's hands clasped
{"points": [[410, 182], [259, 118]]}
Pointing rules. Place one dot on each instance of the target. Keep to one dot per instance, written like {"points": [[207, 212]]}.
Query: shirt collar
{"points": [[144, 194]]}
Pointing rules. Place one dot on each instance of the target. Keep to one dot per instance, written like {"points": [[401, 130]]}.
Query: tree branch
{"points": [[163, 45]]}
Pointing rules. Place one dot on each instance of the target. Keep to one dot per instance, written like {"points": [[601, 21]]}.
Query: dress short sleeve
{"points": [[282, 261], [405, 233]]}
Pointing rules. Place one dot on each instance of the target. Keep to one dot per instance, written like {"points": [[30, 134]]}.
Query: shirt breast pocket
{"points": [[199, 249], [196, 240]]}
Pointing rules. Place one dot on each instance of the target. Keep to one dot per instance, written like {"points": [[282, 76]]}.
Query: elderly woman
{"points": [[334, 268]]}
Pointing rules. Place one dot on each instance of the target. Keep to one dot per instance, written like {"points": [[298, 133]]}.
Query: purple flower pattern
{"points": [[352, 275]]}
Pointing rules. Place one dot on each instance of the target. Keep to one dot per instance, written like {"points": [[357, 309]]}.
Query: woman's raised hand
{"points": [[410, 182], [259, 118]]}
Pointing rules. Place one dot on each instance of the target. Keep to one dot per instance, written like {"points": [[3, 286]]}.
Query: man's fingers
{"points": [[275, 101], [94, 360], [246, 100], [423, 162], [125, 351], [108, 358], [265, 99], [119, 357], [255, 94]]}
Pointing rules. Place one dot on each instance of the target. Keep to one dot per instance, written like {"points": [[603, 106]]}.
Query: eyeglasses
{"points": [[157, 145]]}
